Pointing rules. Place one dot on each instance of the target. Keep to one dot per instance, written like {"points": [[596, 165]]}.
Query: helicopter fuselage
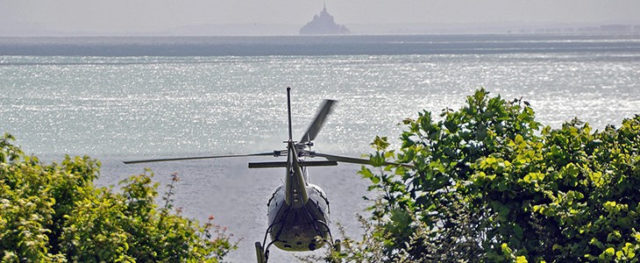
{"points": [[299, 229], [298, 211]]}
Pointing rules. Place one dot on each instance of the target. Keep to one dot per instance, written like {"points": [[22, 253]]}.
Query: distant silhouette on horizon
{"points": [[323, 24]]}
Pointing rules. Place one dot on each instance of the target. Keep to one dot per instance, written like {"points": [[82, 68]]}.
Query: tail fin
{"points": [[296, 187], [289, 111]]}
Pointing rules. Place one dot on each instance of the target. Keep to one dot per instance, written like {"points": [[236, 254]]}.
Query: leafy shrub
{"points": [[54, 213], [490, 185]]}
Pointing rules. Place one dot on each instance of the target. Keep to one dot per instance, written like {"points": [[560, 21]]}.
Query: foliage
{"points": [[489, 184], [54, 213]]}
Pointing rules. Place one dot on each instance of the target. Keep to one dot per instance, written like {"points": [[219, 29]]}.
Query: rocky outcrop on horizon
{"points": [[323, 24]]}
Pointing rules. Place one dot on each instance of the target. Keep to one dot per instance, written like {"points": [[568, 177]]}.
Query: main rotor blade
{"points": [[317, 123], [346, 159], [274, 153]]}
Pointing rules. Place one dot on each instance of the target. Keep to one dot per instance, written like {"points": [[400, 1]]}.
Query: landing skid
{"points": [[261, 254], [336, 245]]}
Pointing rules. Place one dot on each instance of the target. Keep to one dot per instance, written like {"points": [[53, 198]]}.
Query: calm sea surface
{"points": [[130, 98]]}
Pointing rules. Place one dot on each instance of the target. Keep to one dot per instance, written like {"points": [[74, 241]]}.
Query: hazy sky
{"points": [[158, 15]]}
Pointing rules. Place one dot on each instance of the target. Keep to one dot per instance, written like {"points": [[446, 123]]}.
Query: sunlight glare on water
{"points": [[136, 107], [176, 105]]}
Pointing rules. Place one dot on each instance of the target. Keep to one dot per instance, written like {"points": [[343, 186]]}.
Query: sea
{"points": [[127, 98]]}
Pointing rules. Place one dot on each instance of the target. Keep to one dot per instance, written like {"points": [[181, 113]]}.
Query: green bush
{"points": [[54, 213], [489, 184]]}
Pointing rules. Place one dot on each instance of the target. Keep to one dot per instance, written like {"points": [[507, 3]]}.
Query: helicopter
{"points": [[298, 211]]}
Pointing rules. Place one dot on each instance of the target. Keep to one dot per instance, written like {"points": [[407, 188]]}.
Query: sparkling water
{"points": [[118, 99]]}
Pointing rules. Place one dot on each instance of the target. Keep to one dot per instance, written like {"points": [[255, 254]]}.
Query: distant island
{"points": [[323, 24]]}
